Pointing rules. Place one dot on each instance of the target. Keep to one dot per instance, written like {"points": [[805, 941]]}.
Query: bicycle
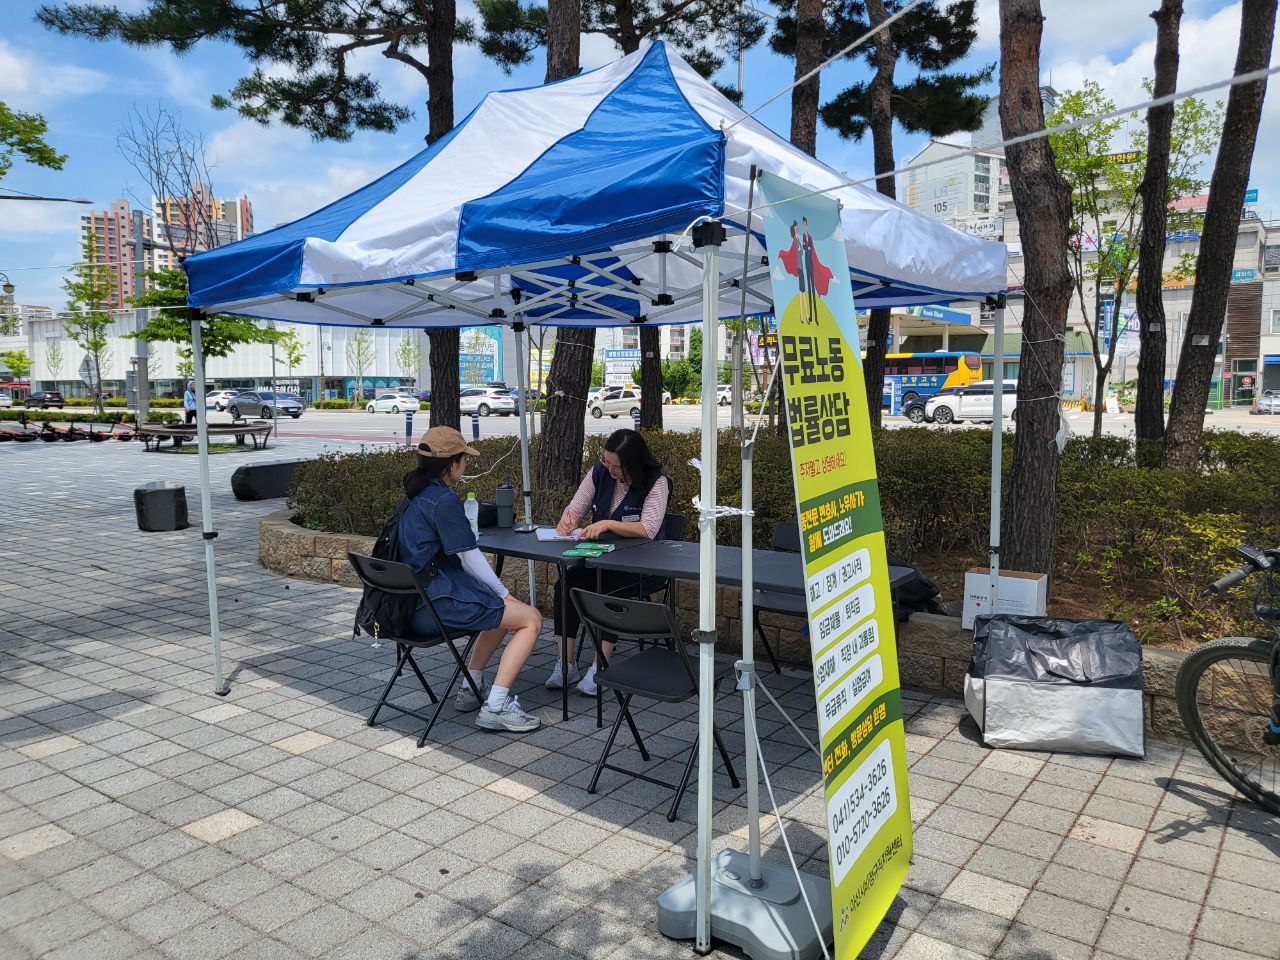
{"points": [[1228, 691]]}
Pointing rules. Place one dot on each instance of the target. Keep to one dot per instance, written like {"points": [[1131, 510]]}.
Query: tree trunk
{"points": [[443, 344], [810, 30], [650, 378], [881, 95], [564, 425], [1148, 416], [564, 39], [442, 356], [1218, 240], [1099, 398], [440, 37], [1043, 202]]}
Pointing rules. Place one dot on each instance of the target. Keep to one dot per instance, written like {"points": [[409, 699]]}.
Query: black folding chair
{"points": [[661, 670], [394, 577], [786, 538]]}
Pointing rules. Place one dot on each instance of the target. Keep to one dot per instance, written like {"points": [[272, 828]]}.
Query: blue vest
{"points": [[629, 509]]}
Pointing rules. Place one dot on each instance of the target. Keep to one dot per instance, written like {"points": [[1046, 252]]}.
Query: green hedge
{"points": [[1132, 543], [332, 405], [59, 416]]}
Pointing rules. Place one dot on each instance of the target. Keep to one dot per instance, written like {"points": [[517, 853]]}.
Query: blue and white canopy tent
{"points": [[571, 204]]}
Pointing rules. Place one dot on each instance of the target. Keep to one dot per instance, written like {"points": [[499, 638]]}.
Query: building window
{"points": [[1275, 322]]}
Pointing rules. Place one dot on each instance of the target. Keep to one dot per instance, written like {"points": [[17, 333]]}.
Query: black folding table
{"points": [[505, 542]]}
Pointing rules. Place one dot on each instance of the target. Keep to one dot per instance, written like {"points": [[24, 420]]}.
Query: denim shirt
{"points": [[434, 529]]}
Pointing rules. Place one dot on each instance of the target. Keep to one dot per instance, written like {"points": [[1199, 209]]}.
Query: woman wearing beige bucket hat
{"points": [[466, 593]]}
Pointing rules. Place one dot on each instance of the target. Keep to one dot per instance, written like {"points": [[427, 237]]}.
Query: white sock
{"points": [[497, 697]]}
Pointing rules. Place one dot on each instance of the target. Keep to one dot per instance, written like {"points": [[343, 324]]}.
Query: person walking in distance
{"points": [[189, 402]]}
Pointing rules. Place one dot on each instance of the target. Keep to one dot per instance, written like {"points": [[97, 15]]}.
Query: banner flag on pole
{"points": [[851, 628]]}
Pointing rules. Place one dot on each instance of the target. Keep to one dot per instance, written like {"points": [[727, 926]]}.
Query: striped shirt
{"points": [[651, 515]]}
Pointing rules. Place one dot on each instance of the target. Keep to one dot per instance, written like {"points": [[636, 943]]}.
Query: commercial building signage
{"points": [[619, 367], [1127, 156], [1251, 195], [480, 356], [1243, 275], [941, 314], [851, 624]]}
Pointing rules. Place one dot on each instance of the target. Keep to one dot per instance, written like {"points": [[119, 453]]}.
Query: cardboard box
{"points": [[1025, 594]]}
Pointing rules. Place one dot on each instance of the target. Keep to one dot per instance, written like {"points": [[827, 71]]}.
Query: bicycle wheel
{"points": [[1224, 696]]}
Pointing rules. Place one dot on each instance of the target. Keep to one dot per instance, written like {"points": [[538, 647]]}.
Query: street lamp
{"points": [[8, 284]]}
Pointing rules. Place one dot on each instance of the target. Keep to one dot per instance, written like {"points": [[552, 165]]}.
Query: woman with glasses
{"points": [[624, 495]]}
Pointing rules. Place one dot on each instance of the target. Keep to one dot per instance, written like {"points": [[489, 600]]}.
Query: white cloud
{"points": [[284, 173], [27, 79], [182, 81], [22, 221], [1106, 25]]}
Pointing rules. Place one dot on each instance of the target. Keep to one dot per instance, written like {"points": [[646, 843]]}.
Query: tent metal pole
{"points": [[707, 579], [997, 454], [220, 686], [522, 377]]}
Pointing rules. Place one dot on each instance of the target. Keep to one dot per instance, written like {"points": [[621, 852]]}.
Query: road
{"points": [[361, 427]]}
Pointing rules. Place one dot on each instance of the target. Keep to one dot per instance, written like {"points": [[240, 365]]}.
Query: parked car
{"points": [[44, 399], [486, 400], [724, 394], [219, 399], [916, 411], [1269, 402], [615, 403], [392, 403], [530, 395], [264, 403], [974, 402], [6, 401], [425, 396]]}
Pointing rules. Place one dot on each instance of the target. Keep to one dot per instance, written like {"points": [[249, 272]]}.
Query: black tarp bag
{"points": [[1053, 683]]}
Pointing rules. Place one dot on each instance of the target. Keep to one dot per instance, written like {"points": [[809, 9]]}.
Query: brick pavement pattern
{"points": [[143, 817]]}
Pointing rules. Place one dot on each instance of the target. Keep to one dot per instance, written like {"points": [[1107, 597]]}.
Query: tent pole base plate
{"points": [[769, 922]]}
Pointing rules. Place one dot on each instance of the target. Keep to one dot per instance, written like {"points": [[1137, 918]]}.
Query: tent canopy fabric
{"points": [[564, 193]]}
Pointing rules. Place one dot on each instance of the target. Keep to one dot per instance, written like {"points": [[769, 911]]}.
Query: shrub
{"points": [[332, 405], [116, 402], [1134, 543], [58, 416], [169, 402]]}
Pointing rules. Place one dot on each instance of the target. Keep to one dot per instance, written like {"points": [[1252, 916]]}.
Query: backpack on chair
{"points": [[382, 614]]}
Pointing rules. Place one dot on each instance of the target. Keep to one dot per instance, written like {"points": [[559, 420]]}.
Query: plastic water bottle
{"points": [[472, 510]]}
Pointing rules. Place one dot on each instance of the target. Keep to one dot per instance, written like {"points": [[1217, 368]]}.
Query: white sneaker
{"points": [[510, 718], [464, 701], [555, 681], [587, 685]]}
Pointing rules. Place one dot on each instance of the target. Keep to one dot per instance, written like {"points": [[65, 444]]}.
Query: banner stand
{"points": [[738, 897]]}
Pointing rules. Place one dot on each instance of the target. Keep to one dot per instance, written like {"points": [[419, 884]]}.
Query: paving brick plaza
{"points": [[143, 817]]}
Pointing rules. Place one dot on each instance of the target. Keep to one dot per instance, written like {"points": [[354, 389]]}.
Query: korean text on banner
{"points": [[851, 629]]}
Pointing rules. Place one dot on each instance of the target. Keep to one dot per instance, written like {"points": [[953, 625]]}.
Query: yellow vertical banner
{"points": [[851, 628]]}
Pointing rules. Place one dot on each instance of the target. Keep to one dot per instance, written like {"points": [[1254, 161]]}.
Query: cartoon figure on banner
{"points": [[812, 276]]}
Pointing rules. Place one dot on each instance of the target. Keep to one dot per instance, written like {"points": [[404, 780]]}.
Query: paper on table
{"points": [[549, 533]]}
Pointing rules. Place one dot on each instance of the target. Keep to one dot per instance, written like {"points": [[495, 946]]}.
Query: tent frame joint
{"points": [[709, 233]]}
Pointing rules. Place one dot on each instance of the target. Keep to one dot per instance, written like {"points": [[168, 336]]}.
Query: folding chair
{"points": [[661, 671], [785, 538], [394, 577]]}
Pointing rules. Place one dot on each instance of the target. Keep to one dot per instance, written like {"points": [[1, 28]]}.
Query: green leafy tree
{"points": [[53, 360], [18, 362], [89, 290], [409, 355], [360, 352], [291, 347], [1104, 167], [220, 334], [22, 135], [937, 100], [597, 373]]}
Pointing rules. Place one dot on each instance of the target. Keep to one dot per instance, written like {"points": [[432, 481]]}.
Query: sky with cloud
{"points": [[87, 89]]}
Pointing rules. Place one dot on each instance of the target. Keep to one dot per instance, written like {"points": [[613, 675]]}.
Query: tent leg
{"points": [[707, 589], [220, 686], [997, 454], [522, 371]]}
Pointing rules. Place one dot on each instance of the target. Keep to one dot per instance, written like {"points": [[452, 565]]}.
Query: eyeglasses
{"points": [[610, 466]]}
